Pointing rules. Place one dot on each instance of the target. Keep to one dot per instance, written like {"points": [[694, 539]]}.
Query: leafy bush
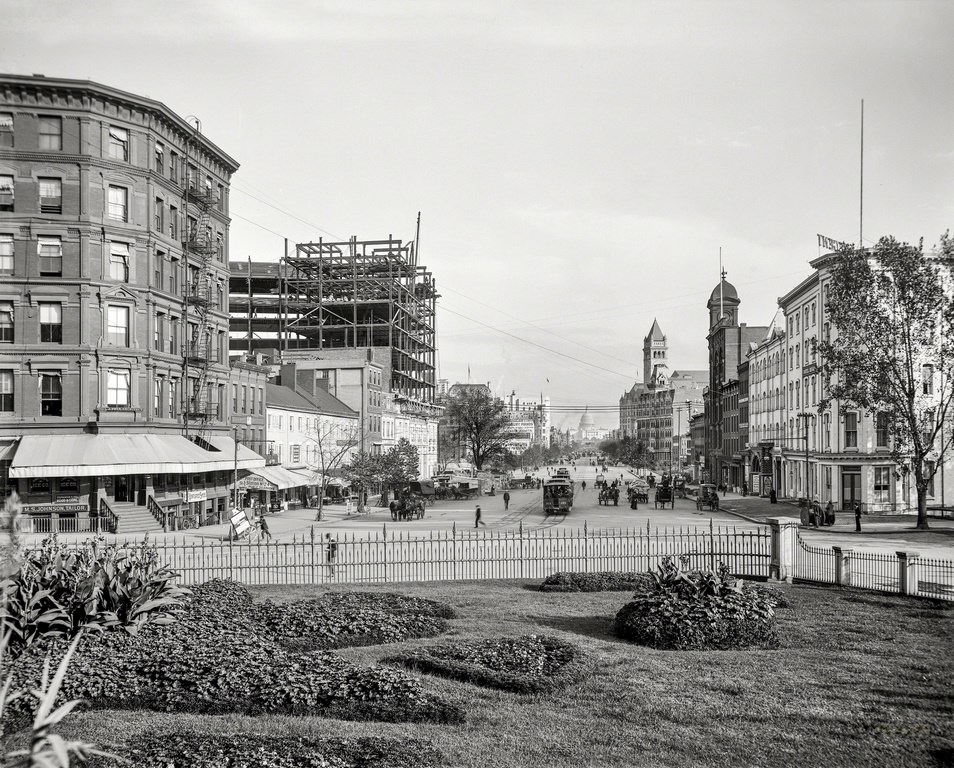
{"points": [[46, 748], [245, 750], [695, 610], [217, 662], [528, 664], [602, 581], [59, 590], [337, 620]]}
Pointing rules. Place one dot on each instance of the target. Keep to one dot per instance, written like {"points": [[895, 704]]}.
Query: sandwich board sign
{"points": [[240, 524]]}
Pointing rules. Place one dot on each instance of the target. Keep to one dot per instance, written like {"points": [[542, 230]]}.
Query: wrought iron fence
{"points": [[899, 572], [459, 555]]}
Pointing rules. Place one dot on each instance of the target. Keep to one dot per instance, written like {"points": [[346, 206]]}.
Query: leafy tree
{"points": [[892, 312], [401, 464], [611, 449], [633, 452], [364, 472], [482, 421]]}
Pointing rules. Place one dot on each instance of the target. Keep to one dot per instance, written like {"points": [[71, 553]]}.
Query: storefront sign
{"points": [[255, 483], [67, 498], [60, 509], [200, 495]]}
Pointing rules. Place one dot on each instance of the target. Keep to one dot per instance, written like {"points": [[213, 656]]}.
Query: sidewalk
{"points": [[758, 510]]}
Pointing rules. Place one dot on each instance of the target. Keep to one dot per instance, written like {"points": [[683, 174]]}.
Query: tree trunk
{"points": [[922, 508]]}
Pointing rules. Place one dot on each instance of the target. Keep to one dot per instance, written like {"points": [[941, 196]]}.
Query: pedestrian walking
{"points": [[858, 517], [477, 520], [331, 552], [263, 531], [506, 498], [829, 513], [584, 485], [745, 489]]}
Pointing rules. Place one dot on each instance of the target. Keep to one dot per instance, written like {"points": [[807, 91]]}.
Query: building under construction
{"points": [[341, 297]]}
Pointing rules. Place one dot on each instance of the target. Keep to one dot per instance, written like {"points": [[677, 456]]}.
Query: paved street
{"points": [[887, 534]]}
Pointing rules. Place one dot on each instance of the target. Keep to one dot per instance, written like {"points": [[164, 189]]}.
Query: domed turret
{"points": [[723, 304]]}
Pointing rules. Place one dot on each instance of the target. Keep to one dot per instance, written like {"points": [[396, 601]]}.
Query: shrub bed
{"points": [[602, 581], [698, 610], [216, 660], [243, 750], [337, 620], [527, 664]]}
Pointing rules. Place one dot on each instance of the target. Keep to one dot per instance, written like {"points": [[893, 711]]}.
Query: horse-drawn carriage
{"points": [[679, 487], [708, 497], [410, 507], [664, 495], [609, 493]]}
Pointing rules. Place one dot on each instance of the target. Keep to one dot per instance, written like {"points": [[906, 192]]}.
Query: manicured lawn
{"points": [[861, 679]]}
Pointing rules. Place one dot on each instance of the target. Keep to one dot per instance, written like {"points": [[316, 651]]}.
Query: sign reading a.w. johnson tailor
{"points": [[35, 509]]}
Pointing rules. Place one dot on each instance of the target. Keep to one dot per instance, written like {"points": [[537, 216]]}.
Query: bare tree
{"points": [[335, 443]]}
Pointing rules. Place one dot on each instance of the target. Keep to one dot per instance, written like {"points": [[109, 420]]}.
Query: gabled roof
{"points": [[324, 403]]}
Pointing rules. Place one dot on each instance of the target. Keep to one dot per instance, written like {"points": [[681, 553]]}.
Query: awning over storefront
{"points": [[129, 454], [279, 477], [315, 478]]}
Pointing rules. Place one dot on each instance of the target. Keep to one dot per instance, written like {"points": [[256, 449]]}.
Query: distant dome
{"points": [[586, 422], [728, 292]]}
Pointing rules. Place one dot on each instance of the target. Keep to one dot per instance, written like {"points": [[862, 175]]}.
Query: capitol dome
{"points": [[586, 422]]}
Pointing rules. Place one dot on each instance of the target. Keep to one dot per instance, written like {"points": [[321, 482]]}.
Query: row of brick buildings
{"points": [[754, 414], [120, 400]]}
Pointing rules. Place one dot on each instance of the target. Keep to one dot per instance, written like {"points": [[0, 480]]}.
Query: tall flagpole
{"points": [[721, 280], [861, 203]]}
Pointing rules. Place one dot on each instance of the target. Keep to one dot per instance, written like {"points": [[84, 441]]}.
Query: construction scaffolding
{"points": [[357, 294]]}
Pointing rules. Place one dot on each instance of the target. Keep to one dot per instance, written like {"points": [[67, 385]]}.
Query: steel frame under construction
{"points": [[354, 294]]}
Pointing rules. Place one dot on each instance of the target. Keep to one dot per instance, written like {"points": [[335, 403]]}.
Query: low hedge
{"points": [[245, 750], [527, 664], [218, 661], [602, 581], [344, 619], [699, 610]]}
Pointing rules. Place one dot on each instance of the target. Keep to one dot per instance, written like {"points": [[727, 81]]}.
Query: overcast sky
{"points": [[577, 165]]}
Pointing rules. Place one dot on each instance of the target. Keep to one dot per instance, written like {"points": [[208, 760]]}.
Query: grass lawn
{"points": [[861, 679]]}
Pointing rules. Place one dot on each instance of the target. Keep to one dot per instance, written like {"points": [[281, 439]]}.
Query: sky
{"points": [[578, 166]]}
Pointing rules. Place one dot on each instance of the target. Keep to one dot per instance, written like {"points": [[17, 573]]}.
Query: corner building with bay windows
{"points": [[114, 366]]}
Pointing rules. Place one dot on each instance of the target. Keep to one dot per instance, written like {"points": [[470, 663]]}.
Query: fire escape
{"points": [[200, 248]]}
